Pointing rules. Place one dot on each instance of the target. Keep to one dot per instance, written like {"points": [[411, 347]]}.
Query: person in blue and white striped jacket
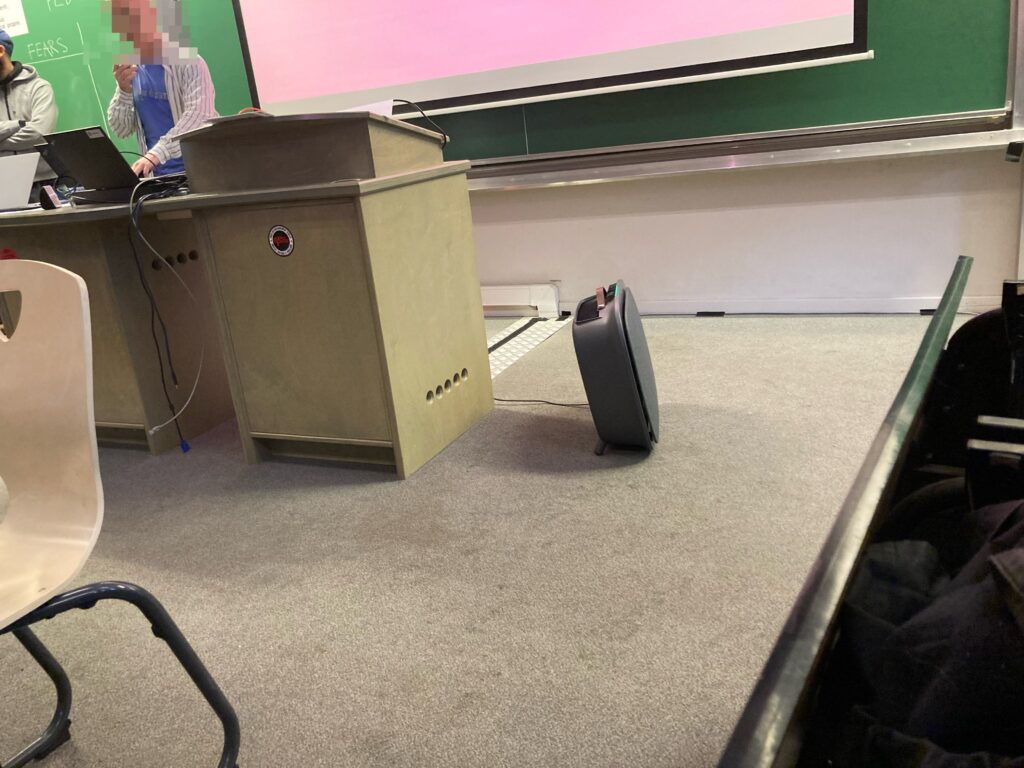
{"points": [[165, 93]]}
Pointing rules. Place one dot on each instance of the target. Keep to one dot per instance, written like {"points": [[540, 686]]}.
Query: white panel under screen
{"points": [[344, 53]]}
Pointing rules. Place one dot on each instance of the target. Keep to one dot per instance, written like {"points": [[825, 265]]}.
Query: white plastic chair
{"points": [[52, 508]]}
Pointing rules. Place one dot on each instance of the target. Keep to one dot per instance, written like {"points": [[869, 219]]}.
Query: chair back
{"points": [[51, 498]]}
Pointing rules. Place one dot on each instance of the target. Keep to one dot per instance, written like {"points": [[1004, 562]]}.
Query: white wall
{"points": [[863, 236]]}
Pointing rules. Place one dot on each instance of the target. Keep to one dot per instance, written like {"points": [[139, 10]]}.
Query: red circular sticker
{"points": [[282, 242]]}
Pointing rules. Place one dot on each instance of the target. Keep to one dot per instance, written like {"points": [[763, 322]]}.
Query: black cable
{"points": [[153, 314], [541, 402], [437, 127], [133, 218], [163, 380], [154, 311], [129, 152]]}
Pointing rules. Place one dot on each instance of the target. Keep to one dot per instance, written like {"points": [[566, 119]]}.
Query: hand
{"points": [[124, 74], [143, 166]]}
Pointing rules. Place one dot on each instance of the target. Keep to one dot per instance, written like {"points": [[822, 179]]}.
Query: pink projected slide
{"points": [[308, 48]]}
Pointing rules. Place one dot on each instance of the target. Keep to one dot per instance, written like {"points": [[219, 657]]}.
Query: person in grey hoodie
{"points": [[27, 109]]}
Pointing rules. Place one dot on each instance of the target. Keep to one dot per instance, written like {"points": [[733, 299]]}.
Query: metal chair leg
{"points": [[59, 729], [164, 628]]}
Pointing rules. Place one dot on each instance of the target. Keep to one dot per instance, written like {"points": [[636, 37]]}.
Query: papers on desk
{"points": [[12, 18], [385, 108], [234, 118]]}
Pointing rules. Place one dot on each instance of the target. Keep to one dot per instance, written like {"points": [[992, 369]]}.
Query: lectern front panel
{"points": [[298, 310]]}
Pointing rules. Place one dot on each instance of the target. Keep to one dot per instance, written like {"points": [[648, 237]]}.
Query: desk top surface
{"points": [[339, 189]]}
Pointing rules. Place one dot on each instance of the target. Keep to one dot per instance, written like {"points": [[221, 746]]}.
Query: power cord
{"points": [[446, 138], [504, 401], [169, 186], [154, 311], [154, 314], [175, 415], [134, 210]]}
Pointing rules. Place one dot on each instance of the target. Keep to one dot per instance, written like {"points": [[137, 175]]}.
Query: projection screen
{"points": [[321, 55]]}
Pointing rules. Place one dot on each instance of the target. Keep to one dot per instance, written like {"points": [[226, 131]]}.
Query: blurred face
{"points": [[136, 22]]}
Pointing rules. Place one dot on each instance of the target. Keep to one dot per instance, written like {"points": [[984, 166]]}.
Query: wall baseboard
{"points": [[874, 236], [911, 305], [539, 299]]}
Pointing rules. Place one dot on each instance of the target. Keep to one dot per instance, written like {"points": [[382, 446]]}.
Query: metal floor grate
{"points": [[519, 338]]}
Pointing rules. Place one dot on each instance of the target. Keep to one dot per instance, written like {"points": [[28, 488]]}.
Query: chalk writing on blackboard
{"points": [[43, 50]]}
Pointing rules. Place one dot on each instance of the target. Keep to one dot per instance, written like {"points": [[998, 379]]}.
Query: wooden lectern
{"points": [[345, 281]]}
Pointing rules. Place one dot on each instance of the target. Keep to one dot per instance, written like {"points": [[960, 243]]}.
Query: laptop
{"points": [[89, 157], [18, 172]]}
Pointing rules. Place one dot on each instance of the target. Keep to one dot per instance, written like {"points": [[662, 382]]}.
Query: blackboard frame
{"points": [[246, 57]]}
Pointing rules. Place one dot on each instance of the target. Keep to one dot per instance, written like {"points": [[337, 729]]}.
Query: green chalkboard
{"points": [[931, 57], [71, 45]]}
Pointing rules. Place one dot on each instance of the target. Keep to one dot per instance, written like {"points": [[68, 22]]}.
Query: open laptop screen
{"points": [[89, 157], [18, 173]]}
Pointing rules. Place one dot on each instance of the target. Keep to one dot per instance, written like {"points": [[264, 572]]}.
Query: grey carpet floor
{"points": [[517, 602]]}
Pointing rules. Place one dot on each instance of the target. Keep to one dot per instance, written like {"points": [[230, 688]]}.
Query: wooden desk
{"points": [[364, 342], [94, 242]]}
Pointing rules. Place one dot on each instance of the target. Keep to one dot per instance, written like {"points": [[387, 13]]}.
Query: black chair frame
{"points": [[163, 627]]}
